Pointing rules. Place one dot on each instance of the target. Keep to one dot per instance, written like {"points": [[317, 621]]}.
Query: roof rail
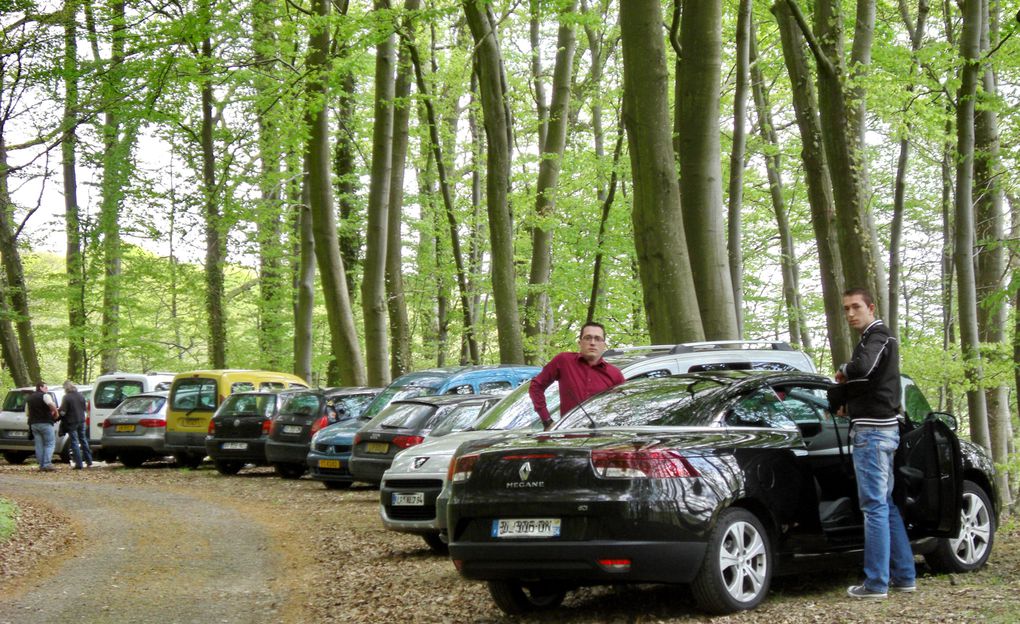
{"points": [[712, 345]]}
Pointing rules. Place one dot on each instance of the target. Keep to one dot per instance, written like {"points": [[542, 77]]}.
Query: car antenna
{"points": [[580, 405]]}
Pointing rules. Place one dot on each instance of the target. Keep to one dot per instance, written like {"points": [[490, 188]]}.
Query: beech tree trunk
{"points": [[74, 262], [349, 366], [664, 263], [12, 284], [698, 78], [304, 288], [735, 196], [493, 90]]}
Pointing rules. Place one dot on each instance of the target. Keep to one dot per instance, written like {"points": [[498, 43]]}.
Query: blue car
{"points": [[330, 454]]}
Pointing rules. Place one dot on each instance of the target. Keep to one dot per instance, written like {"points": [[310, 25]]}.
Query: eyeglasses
{"points": [[591, 338]]}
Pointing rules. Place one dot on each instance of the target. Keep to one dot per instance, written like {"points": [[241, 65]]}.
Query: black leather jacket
{"points": [[873, 378]]}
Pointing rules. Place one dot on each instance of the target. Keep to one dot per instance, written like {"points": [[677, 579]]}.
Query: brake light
{"points": [[319, 424], [357, 439], [407, 441], [212, 426], [152, 422], [620, 464], [615, 565], [460, 470], [267, 426], [107, 424]]}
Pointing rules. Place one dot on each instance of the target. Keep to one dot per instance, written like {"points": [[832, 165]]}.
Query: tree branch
{"points": [[823, 61]]}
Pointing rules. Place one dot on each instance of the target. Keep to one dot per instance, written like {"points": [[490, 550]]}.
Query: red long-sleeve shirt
{"points": [[578, 381]]}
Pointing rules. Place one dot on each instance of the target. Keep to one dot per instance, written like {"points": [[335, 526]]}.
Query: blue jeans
{"points": [[78, 438], [887, 554], [45, 441]]}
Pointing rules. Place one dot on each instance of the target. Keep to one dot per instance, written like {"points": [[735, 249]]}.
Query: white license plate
{"points": [[526, 527], [17, 434], [234, 446], [292, 428], [415, 499]]}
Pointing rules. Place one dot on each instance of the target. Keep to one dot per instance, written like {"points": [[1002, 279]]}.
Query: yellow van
{"points": [[195, 395]]}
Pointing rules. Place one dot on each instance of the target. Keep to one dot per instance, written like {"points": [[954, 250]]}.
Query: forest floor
{"points": [[162, 543]]}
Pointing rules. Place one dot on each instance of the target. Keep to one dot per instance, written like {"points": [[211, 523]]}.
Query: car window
{"points": [[461, 389], [162, 386], [495, 387], [719, 366], [762, 408], [271, 386], [352, 405], [772, 366], [302, 404], [194, 394], [659, 372], [395, 393], [242, 386], [667, 402], [458, 418], [248, 405], [139, 405], [109, 394], [405, 415], [15, 401], [915, 404]]}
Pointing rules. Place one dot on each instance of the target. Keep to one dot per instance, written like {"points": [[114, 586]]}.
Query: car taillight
{"points": [[621, 464], [152, 422], [406, 441], [460, 470], [212, 426], [319, 424], [267, 426], [357, 439], [107, 424]]}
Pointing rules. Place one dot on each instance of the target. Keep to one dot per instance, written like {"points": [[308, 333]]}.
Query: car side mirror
{"points": [[945, 417]]}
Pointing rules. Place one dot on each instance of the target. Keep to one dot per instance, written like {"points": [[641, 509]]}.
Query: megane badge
{"points": [[419, 462], [525, 471]]}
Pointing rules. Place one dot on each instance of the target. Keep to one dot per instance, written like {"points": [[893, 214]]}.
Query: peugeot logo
{"points": [[525, 471], [237, 422], [419, 462]]}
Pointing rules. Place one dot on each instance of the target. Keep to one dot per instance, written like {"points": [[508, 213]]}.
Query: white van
{"points": [[15, 444], [110, 390]]}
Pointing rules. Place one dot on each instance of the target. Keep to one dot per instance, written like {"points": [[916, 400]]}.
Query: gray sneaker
{"points": [[860, 591], [903, 589]]}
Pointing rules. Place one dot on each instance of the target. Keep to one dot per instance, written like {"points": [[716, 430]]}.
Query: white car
{"points": [[15, 443], [410, 494], [113, 388]]}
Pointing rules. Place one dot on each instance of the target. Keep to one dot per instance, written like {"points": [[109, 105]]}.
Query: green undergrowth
{"points": [[8, 514]]}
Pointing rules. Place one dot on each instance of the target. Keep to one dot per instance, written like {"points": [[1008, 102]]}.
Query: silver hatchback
{"points": [[136, 430]]}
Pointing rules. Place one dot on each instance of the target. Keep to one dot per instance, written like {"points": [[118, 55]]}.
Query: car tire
{"points": [[737, 569], [16, 458], [290, 471], [189, 460], [337, 485], [972, 547], [133, 459], [436, 543], [515, 598], [228, 467]]}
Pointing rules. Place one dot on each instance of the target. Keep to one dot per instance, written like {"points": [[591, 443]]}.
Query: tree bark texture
{"points": [[74, 262], [373, 284], [493, 90], [350, 366], [735, 196], [700, 170], [304, 289], [819, 184], [551, 160], [347, 184], [664, 264]]}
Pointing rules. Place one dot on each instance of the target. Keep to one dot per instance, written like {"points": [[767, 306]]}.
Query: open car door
{"points": [[929, 480]]}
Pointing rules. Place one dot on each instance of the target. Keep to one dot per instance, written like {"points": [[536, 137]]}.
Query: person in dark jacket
{"points": [[72, 415], [41, 412], [872, 403], [580, 374]]}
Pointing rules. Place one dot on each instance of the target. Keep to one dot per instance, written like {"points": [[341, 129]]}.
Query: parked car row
{"points": [[716, 464]]}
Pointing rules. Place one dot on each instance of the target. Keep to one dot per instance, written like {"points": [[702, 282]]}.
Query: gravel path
{"points": [[170, 545]]}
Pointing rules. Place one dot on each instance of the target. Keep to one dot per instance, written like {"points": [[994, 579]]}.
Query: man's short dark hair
{"points": [[592, 324], [864, 293], [39, 386]]}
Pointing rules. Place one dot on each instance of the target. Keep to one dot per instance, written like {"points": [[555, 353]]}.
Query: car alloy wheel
{"points": [[738, 564], [970, 549]]}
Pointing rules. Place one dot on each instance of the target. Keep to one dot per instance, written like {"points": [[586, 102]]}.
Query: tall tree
{"points": [[304, 285], [697, 130], [346, 351], [734, 200], [373, 284], [970, 52], [75, 265], [671, 305], [495, 107], [550, 163]]}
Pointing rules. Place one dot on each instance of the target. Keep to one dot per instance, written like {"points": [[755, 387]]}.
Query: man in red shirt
{"points": [[580, 374]]}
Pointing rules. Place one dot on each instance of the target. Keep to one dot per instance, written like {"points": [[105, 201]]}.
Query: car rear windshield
{"points": [[302, 404], [405, 415], [516, 410], [350, 405], [248, 405], [460, 418], [140, 405], [195, 394], [109, 394], [663, 402], [15, 401], [395, 393]]}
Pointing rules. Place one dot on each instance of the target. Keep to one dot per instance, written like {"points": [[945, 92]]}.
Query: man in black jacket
{"points": [[41, 412], [872, 393], [72, 415]]}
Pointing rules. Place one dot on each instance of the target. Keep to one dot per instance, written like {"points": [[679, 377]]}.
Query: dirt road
{"points": [[169, 545]]}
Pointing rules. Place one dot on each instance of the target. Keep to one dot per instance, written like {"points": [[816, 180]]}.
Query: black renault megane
{"points": [[717, 480]]}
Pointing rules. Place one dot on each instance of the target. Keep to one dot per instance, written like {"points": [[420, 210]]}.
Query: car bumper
{"points": [[184, 442], [320, 472], [369, 470], [411, 519], [286, 453], [156, 444], [254, 451], [577, 562]]}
